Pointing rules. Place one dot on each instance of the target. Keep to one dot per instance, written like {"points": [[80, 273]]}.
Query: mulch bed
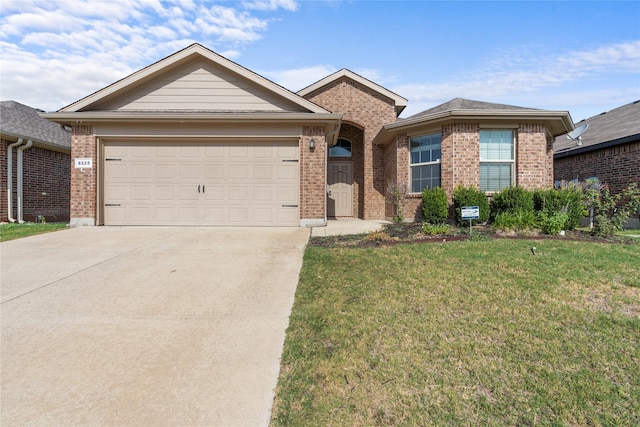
{"points": [[404, 233]]}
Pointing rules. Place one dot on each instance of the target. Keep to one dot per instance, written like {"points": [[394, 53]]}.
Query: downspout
{"points": [[20, 180], [10, 179]]}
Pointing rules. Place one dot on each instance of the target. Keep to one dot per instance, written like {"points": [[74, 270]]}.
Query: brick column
{"points": [[313, 177], [83, 181], [534, 157]]}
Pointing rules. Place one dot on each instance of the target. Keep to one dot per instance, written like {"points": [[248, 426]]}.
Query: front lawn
{"points": [[17, 231], [464, 333]]}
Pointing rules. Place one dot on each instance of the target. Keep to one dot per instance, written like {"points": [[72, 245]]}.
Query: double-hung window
{"points": [[425, 162], [497, 159]]}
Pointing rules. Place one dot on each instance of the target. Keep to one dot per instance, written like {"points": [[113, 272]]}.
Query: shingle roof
{"points": [[616, 126], [21, 121], [468, 104]]}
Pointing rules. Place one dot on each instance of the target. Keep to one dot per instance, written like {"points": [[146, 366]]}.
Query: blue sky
{"points": [[580, 56]]}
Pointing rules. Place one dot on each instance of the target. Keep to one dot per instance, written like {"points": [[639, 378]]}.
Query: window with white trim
{"points": [[341, 149], [497, 159], [425, 154]]}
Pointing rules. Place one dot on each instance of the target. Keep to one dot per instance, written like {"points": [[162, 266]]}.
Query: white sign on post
{"points": [[83, 163], [470, 213]]}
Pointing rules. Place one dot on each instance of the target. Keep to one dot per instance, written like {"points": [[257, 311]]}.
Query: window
{"points": [[425, 162], [341, 149], [497, 159]]}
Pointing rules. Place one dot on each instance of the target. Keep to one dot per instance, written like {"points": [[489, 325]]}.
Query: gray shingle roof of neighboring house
{"points": [[21, 121], [617, 126], [468, 104]]}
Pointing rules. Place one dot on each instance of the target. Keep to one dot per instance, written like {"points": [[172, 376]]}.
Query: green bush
{"points": [[611, 212], [470, 196], [569, 199], [515, 220], [433, 229], [513, 199], [553, 223], [435, 207]]}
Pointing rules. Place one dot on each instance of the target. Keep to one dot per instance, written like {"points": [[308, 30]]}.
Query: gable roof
{"points": [[614, 127], [104, 97], [468, 104], [399, 102], [21, 121], [556, 122]]}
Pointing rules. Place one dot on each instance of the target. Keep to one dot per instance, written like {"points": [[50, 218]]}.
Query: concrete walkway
{"points": [[344, 226], [145, 326]]}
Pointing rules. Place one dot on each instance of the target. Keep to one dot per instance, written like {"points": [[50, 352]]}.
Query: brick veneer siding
{"points": [[83, 181], [460, 161], [370, 110], [534, 159], [45, 189], [355, 135], [313, 174], [616, 166]]}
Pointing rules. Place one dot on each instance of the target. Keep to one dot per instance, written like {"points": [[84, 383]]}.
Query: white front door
{"points": [[340, 189]]}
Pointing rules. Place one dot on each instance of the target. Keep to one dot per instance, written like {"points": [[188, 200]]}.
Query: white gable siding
{"points": [[200, 86]]}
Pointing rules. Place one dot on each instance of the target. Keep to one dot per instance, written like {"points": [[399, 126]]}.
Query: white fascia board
{"points": [[186, 55], [398, 100], [88, 117], [406, 125]]}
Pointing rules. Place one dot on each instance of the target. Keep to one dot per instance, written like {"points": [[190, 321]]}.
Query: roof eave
{"points": [[91, 117], [37, 142], [562, 118]]}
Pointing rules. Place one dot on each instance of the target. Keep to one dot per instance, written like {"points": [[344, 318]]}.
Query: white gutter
{"points": [[10, 179], [20, 180]]}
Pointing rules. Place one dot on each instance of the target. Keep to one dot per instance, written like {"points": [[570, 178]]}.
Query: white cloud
{"points": [[55, 52], [289, 5]]}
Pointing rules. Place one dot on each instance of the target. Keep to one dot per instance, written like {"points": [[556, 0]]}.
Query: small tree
{"points": [[611, 212], [396, 194], [435, 207]]}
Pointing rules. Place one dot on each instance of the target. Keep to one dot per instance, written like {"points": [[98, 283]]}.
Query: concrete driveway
{"points": [[145, 326]]}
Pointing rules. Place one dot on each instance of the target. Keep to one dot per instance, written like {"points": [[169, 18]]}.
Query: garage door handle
{"points": [[198, 189], [289, 206], [112, 204], [203, 188]]}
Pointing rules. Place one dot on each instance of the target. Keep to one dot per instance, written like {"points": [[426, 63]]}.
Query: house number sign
{"points": [[83, 163]]}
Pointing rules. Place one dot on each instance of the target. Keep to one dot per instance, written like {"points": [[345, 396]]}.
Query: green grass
{"points": [[464, 333], [630, 232], [18, 231]]}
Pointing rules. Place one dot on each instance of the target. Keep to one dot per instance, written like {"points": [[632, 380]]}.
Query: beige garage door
{"points": [[233, 184]]}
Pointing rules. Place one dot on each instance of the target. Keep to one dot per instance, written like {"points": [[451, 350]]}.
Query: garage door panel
{"points": [[240, 184]]}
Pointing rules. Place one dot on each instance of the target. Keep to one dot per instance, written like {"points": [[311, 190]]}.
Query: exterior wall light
{"points": [[312, 144]]}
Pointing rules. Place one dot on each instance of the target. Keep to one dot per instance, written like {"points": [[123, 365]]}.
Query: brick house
{"points": [[608, 150], [198, 139], [34, 166]]}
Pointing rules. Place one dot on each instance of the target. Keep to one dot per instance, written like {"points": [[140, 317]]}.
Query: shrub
{"points": [[569, 199], [435, 207], [396, 194], [553, 223], [612, 212], [433, 229], [515, 220], [514, 199], [470, 196]]}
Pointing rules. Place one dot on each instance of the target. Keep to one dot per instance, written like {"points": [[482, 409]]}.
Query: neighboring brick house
{"points": [[608, 150], [198, 139], [40, 166]]}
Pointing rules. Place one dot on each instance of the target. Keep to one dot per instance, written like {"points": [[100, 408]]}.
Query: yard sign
{"points": [[470, 213]]}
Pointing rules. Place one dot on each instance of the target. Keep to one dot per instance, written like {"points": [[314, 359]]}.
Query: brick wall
{"points": [[312, 174], [534, 157], [83, 181], [46, 181], [369, 110], [460, 163], [616, 166]]}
